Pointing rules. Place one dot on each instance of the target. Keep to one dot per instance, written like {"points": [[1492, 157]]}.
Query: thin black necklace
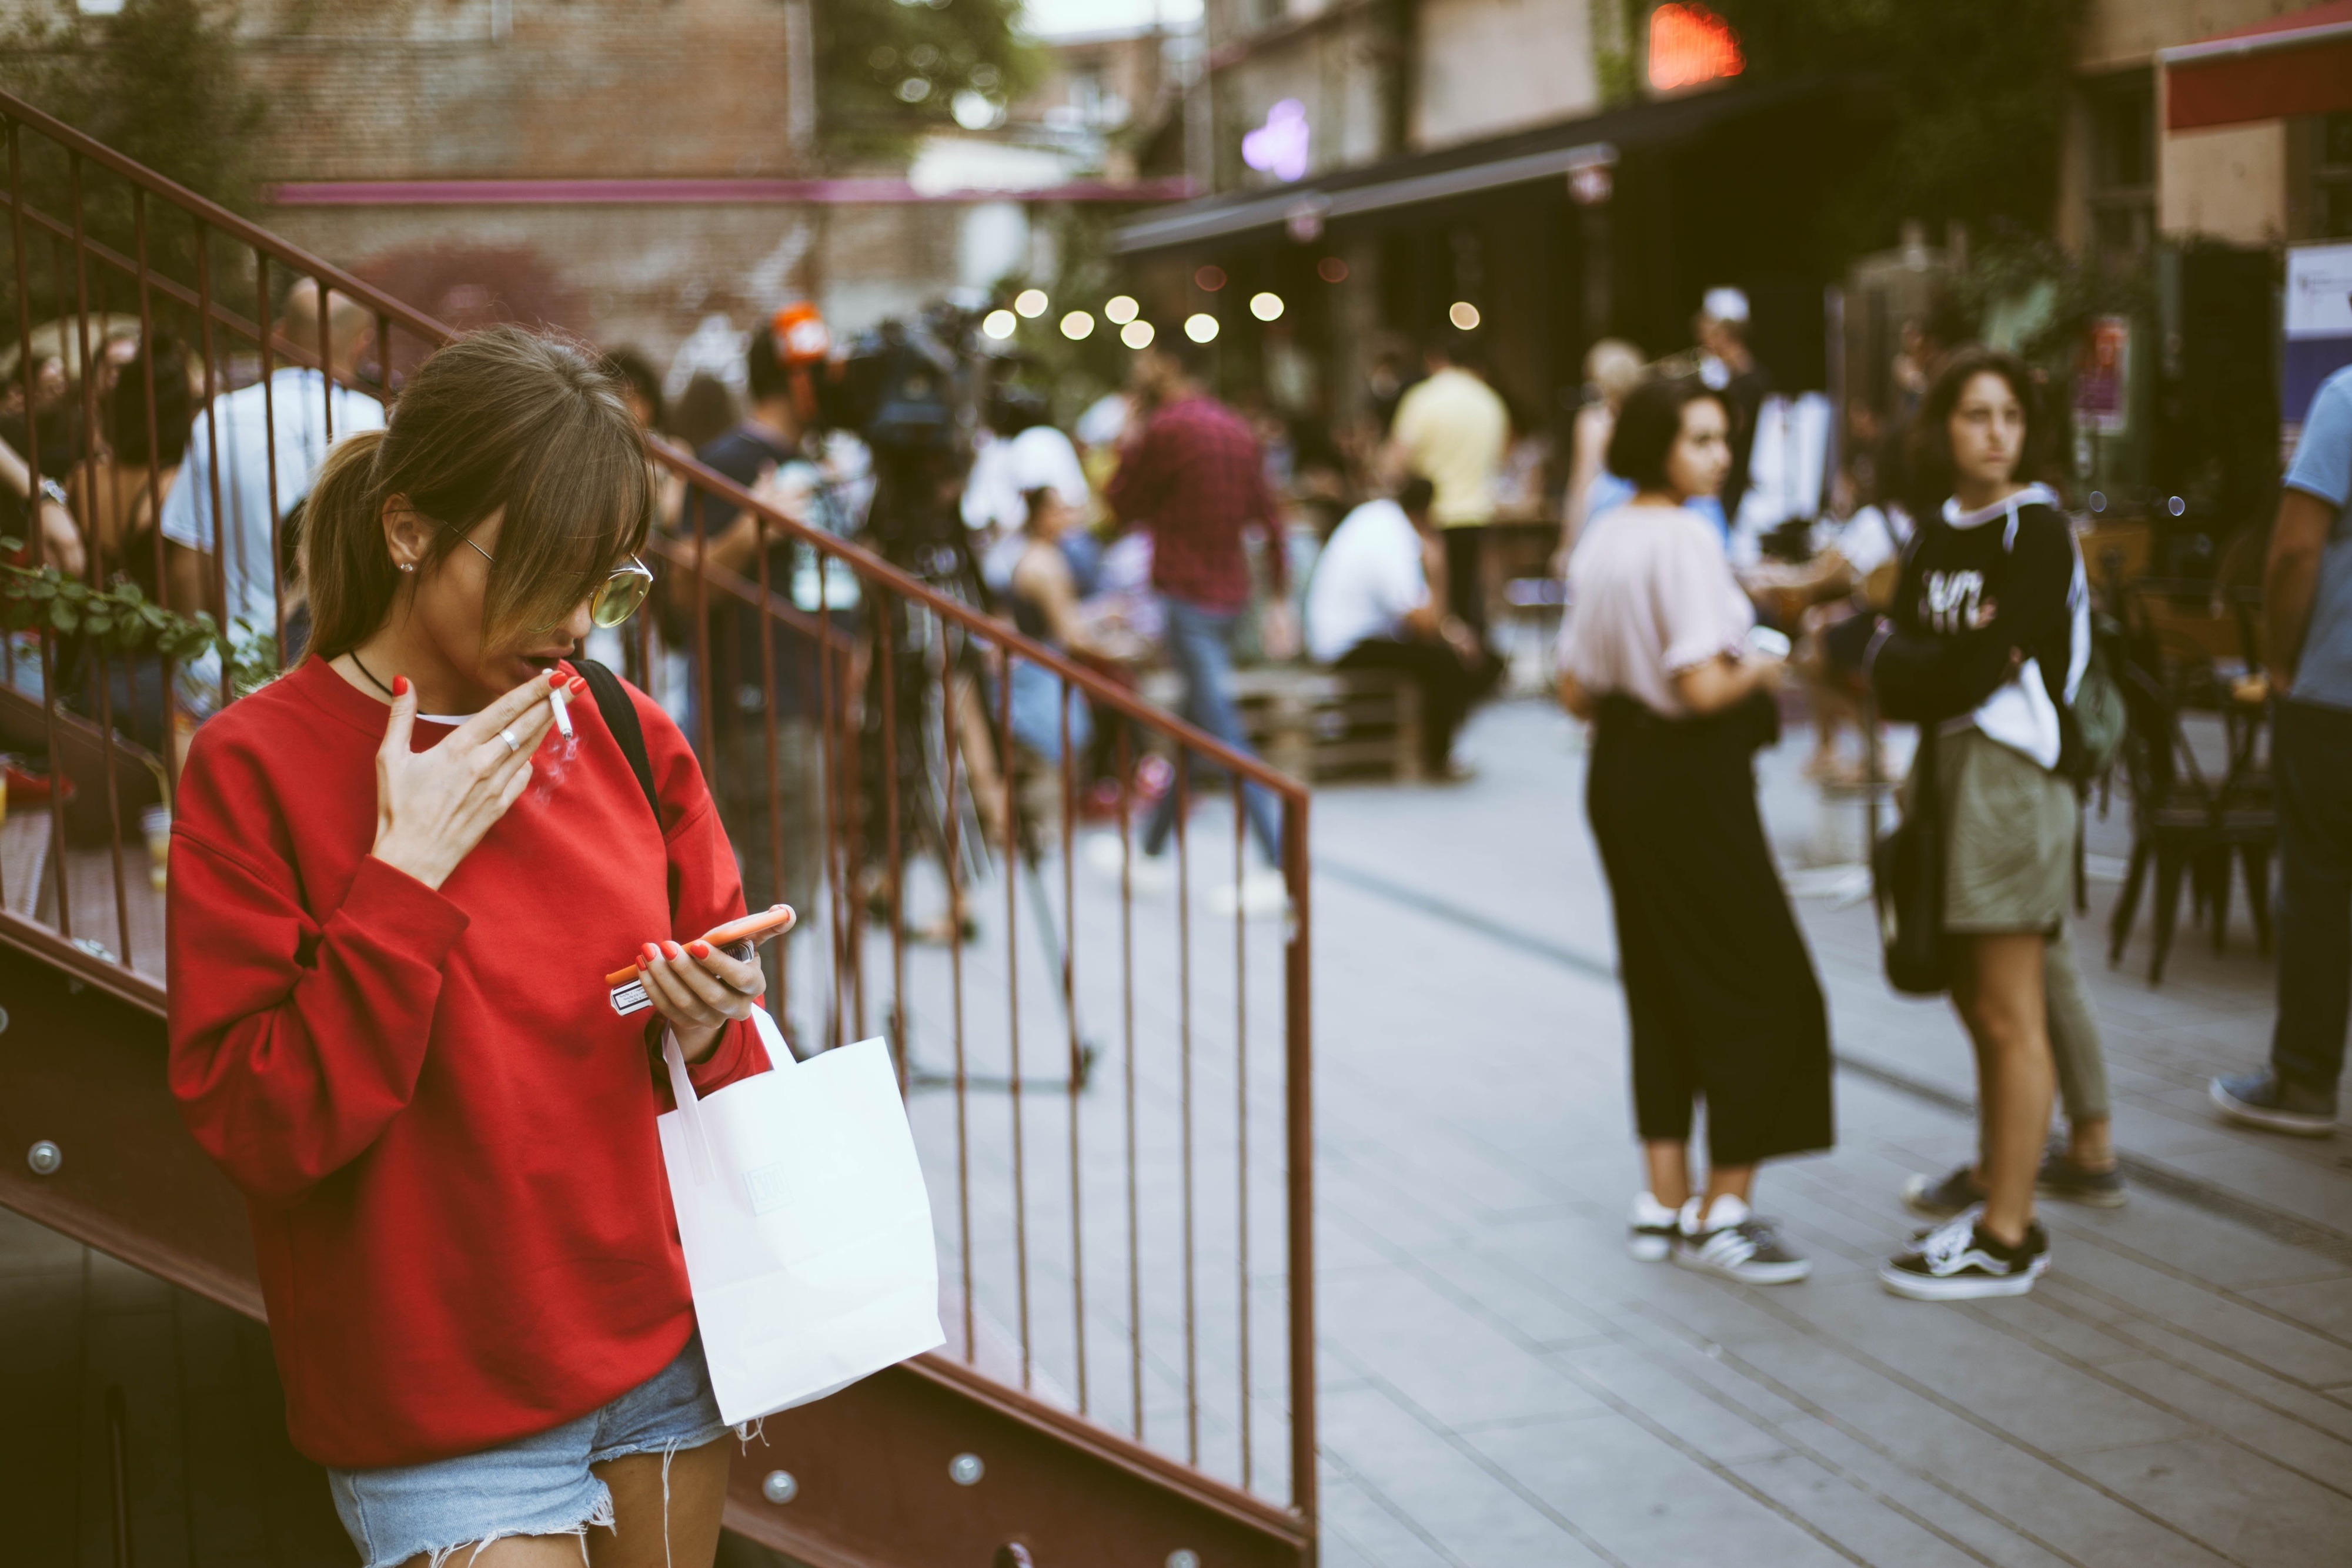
{"points": [[370, 675]]}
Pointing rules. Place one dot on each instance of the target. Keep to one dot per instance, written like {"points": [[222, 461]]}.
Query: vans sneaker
{"points": [[2265, 1100], [1148, 875], [1941, 1199], [1736, 1244], [1957, 1261], [1262, 892], [1650, 1235], [2060, 1177]]}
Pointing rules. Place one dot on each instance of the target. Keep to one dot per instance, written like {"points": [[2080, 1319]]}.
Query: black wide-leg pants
{"points": [[1720, 991]]}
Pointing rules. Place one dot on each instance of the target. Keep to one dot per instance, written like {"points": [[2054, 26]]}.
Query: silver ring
{"points": [[507, 734]]}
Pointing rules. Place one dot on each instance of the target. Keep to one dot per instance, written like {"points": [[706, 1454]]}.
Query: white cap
{"points": [[1725, 304]]}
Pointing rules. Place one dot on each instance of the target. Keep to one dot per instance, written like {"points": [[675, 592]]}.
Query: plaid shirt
{"points": [[1195, 479]]}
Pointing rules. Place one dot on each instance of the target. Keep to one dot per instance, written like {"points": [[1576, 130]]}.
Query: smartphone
{"points": [[736, 939]]}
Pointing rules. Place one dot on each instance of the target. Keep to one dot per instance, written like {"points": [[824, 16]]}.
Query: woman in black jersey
{"points": [[1985, 647]]}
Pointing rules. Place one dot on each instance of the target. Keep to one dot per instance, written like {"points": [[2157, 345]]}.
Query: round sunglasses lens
{"points": [[619, 598]]}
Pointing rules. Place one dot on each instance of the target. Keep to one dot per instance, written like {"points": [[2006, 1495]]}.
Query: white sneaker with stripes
{"points": [[1734, 1243], [1650, 1234]]}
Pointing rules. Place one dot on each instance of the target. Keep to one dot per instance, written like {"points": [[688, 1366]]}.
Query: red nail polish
{"points": [[399, 685], [699, 949], [651, 952], [577, 685], [556, 677], [673, 950]]}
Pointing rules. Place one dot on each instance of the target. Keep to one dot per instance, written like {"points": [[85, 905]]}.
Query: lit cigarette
{"points": [[558, 699]]}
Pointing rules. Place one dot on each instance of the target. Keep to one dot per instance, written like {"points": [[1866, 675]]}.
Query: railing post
{"points": [[1299, 1133]]}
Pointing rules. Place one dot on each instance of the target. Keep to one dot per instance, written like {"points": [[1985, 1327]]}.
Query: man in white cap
{"points": [[1725, 365]]}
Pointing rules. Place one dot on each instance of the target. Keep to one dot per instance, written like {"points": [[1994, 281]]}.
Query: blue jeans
{"points": [[539, 1485], [1200, 641], [2311, 760]]}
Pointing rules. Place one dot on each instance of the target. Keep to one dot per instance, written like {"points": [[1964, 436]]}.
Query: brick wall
{"points": [[575, 89], [569, 90], [367, 90], [647, 275]]}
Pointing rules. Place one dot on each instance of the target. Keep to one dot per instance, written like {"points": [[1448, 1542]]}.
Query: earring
{"points": [[409, 566]]}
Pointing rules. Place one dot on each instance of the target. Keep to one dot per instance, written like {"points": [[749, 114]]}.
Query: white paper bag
{"points": [[806, 1224]]}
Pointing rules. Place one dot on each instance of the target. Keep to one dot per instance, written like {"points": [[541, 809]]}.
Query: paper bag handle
{"points": [[689, 1104]]}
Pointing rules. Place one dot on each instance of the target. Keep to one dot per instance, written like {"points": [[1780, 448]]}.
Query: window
{"points": [[2120, 112], [2327, 209]]}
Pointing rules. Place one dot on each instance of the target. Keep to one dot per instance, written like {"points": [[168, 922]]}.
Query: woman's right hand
{"points": [[432, 807]]}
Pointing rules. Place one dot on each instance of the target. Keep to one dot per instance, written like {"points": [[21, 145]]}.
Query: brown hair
{"points": [[499, 418], [1649, 423], [1930, 441]]}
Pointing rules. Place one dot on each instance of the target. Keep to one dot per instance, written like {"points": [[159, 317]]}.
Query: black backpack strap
{"points": [[621, 718]]}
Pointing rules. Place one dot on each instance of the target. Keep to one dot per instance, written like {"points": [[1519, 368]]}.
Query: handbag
{"points": [[806, 1223], [1906, 877], [801, 1205]]}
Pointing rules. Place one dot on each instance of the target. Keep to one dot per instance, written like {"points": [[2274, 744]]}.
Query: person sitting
{"points": [[1044, 591], [1371, 606], [117, 493]]}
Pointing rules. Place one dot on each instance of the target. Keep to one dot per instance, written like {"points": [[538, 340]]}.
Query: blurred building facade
{"points": [[1534, 165], [649, 172], [2263, 162]]}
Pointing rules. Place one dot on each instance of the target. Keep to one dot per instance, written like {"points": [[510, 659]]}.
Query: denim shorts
{"points": [[538, 1485]]}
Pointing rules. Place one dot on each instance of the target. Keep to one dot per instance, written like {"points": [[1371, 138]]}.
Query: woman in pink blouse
{"points": [[1720, 991]]}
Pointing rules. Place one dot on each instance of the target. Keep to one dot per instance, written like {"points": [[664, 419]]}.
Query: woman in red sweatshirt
{"points": [[394, 891]]}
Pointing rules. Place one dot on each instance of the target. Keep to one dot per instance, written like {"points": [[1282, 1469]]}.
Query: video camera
{"points": [[911, 389]]}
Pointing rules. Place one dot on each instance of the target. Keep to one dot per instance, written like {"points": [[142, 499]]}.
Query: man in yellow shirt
{"points": [[1451, 429]]}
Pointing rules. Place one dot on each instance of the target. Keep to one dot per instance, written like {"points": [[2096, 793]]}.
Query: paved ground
{"points": [[1500, 1385]]}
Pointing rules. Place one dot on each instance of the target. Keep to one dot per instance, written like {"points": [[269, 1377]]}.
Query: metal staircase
{"points": [[1129, 1374]]}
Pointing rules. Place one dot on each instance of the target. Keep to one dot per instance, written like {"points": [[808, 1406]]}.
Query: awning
{"points": [[2300, 63], [1546, 153]]}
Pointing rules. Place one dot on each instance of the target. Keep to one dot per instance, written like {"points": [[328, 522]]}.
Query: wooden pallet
{"points": [[1321, 725]]}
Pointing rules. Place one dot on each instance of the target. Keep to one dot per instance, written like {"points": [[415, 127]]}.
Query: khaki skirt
{"points": [[2009, 837]]}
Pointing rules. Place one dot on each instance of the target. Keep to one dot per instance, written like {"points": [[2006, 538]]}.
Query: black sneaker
{"points": [[2265, 1100], [1959, 1262], [1737, 1245], [2060, 1177], [1942, 1199]]}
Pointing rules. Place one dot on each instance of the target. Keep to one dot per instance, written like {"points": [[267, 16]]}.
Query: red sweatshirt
{"points": [[445, 1134]]}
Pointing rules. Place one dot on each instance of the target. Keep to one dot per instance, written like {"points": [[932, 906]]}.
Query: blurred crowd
{"points": [[1702, 535]]}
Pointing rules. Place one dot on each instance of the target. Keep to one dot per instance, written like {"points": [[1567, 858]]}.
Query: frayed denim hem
{"points": [[599, 1516]]}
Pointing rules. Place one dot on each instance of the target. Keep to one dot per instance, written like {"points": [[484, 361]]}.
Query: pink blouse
{"points": [[1649, 595]]}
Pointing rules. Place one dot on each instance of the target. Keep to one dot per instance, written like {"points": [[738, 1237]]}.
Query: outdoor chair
{"points": [[2184, 827]]}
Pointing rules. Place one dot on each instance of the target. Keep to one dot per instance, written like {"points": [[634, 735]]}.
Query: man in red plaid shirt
{"points": [[1192, 475]]}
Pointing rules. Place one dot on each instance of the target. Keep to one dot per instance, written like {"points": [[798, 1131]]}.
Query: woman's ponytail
{"points": [[343, 560]]}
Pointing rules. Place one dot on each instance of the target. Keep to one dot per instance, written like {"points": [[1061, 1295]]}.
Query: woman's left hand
{"points": [[699, 991]]}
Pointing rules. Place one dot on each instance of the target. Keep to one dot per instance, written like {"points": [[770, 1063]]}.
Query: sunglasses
{"points": [[612, 599]]}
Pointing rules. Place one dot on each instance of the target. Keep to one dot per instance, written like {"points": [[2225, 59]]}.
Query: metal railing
{"points": [[1110, 1141]]}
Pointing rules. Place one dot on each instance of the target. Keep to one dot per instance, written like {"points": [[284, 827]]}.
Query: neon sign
{"points": [[1279, 146], [1689, 45]]}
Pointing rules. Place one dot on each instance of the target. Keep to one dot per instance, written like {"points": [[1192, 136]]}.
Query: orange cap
{"points": [[802, 335]]}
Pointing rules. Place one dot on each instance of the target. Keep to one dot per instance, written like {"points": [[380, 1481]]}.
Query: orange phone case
{"points": [[775, 918]]}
